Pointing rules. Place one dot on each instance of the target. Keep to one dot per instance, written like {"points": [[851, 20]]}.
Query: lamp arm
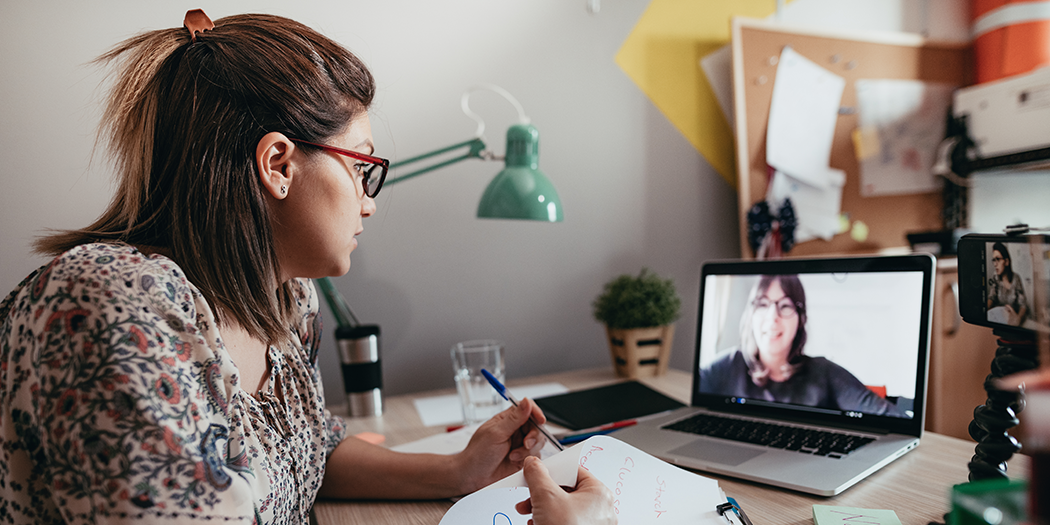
{"points": [[344, 316], [476, 149]]}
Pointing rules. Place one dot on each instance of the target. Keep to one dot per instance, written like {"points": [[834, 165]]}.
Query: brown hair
{"points": [[183, 120], [793, 290], [1008, 268]]}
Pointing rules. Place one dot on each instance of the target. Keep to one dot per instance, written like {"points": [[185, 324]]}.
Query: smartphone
{"points": [[1003, 281]]}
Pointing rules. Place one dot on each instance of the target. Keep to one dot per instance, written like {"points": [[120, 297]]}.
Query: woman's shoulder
{"points": [[828, 368], [818, 363], [733, 358], [107, 277], [113, 260], [123, 268]]}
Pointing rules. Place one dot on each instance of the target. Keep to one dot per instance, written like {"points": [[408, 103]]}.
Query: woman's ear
{"points": [[273, 157]]}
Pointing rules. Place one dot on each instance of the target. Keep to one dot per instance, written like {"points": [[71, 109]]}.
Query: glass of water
{"points": [[479, 399]]}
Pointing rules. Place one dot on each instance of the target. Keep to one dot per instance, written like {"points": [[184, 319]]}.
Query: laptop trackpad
{"points": [[713, 452]]}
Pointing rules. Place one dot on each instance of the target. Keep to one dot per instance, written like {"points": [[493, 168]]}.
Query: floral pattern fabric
{"points": [[1002, 293], [120, 403]]}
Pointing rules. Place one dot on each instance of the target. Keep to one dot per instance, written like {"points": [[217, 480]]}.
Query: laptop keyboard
{"points": [[804, 440]]}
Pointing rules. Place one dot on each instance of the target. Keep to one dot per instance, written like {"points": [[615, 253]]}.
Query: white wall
{"points": [[635, 192], [1001, 198]]}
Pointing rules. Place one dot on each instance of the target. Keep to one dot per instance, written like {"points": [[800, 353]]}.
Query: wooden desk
{"points": [[916, 486]]}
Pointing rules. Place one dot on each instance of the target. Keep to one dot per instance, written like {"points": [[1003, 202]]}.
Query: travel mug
{"points": [[362, 375]]}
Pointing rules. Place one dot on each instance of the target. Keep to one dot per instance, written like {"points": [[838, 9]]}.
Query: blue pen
{"points": [[510, 397], [739, 511]]}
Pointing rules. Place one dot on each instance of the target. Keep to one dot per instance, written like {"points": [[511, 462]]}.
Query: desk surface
{"points": [[915, 486]]}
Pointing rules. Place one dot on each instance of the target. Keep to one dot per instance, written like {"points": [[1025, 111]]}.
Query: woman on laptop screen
{"points": [[770, 363]]}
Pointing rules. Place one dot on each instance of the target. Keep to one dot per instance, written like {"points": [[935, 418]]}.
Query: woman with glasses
{"points": [[163, 366], [1007, 302], [771, 365]]}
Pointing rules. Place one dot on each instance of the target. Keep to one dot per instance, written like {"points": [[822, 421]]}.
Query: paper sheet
{"points": [[645, 488], [802, 117], [445, 410], [817, 209], [441, 443], [561, 465], [453, 442], [901, 124], [718, 68], [832, 515], [491, 506]]}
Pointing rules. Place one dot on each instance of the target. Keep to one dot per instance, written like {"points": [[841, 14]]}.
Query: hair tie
{"points": [[196, 21]]}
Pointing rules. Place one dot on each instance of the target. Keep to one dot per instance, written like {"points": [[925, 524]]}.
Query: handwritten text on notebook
{"points": [[644, 488]]}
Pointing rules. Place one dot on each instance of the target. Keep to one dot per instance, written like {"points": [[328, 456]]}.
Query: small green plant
{"points": [[637, 302]]}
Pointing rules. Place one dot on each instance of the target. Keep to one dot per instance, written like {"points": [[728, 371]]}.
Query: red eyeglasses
{"points": [[369, 180]]}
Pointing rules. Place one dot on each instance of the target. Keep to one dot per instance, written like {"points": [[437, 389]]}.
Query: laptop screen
{"points": [[833, 340]]}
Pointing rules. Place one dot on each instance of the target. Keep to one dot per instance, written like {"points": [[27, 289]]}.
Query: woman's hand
{"points": [[500, 445], [1012, 317], [589, 503]]}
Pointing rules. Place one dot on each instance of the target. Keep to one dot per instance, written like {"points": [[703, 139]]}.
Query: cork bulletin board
{"points": [[898, 56]]}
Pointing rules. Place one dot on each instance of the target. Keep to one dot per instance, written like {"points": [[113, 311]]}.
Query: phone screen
{"points": [[1005, 281]]}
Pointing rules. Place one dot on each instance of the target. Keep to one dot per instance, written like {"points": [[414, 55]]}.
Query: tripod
{"points": [[1017, 352]]}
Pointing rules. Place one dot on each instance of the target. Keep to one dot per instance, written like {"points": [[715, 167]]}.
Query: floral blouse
{"points": [[1002, 294], [119, 402]]}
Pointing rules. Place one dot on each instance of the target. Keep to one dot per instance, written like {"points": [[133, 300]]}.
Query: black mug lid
{"points": [[356, 332]]}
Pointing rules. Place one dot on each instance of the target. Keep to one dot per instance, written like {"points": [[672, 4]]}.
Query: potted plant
{"points": [[638, 313]]}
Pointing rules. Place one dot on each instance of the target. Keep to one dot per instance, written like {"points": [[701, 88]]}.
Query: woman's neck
{"points": [[778, 373]]}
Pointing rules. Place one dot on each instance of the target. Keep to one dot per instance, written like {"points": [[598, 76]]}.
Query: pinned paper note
{"points": [[901, 124], [866, 142], [802, 115], [644, 488], [816, 208], [859, 232], [718, 68], [831, 515]]}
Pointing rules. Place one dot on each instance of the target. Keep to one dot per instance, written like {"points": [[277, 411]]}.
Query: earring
{"points": [[284, 189]]}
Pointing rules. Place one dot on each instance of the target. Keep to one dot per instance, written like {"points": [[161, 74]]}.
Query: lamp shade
{"points": [[521, 190]]}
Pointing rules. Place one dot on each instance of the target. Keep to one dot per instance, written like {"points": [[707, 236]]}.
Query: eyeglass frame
{"points": [[379, 162], [796, 307]]}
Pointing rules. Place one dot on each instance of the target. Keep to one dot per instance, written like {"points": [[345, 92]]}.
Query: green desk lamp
{"points": [[519, 191]]}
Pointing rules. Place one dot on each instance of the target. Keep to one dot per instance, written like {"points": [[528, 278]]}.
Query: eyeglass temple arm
{"points": [[476, 149]]}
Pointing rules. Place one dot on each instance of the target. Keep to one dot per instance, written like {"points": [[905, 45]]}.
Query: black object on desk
{"points": [[605, 404]]}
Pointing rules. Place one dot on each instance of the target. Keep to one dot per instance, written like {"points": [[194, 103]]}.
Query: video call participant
{"points": [[770, 364], [1005, 289]]}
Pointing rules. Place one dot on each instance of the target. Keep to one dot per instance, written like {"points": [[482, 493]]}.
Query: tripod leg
{"points": [[992, 421]]}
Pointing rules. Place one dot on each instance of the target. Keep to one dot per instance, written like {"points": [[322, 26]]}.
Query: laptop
{"points": [[809, 374]]}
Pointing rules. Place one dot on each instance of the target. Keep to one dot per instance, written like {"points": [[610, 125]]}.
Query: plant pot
{"points": [[640, 352]]}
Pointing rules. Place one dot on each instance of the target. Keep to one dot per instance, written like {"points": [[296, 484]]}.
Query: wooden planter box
{"points": [[640, 352]]}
